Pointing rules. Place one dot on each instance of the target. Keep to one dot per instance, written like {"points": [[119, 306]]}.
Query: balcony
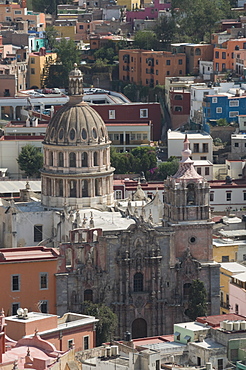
{"points": [[225, 305]]}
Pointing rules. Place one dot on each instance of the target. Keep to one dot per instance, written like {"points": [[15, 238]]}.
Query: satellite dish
{"points": [[20, 311]]}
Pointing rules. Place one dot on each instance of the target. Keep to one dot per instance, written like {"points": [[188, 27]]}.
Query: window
{"points": [[178, 109], [244, 196], [233, 103], [72, 159], [118, 194], [180, 72], [15, 283], [32, 60], [225, 258], [60, 160], [180, 61], [143, 113], [86, 342], [32, 71], [139, 136], [205, 147], [218, 110], [199, 170], [233, 114], [157, 72], [51, 158], [70, 343], [223, 55], [38, 233], [95, 157], [156, 62], [211, 196], [168, 62], [43, 280], [15, 307], [244, 257], [217, 54], [84, 159], [138, 282], [220, 364], [203, 158], [236, 309], [84, 188], [196, 148], [206, 171], [81, 27], [157, 365], [88, 295], [198, 51], [60, 188], [168, 73], [17, 11], [178, 97], [236, 145], [116, 137], [44, 306], [111, 114], [228, 197]]}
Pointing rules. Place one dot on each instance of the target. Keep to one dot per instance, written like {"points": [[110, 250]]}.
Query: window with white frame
{"points": [[111, 114], [43, 280], [233, 103], [86, 343], [139, 136], [214, 100], [218, 110], [143, 113], [228, 197], [233, 114], [116, 137], [118, 194], [133, 137], [145, 136]]}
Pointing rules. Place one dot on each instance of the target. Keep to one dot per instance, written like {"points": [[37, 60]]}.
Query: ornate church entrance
{"points": [[139, 328]]}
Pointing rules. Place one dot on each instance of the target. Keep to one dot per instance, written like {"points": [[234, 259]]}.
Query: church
{"points": [[137, 256]]}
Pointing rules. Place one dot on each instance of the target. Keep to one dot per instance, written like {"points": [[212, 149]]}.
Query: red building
{"points": [[179, 107]]}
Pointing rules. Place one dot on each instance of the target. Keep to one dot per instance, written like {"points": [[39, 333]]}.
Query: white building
{"points": [[227, 195], [238, 145], [201, 144], [235, 168], [206, 69]]}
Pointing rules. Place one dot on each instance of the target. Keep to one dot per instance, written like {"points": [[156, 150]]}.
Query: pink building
{"points": [[151, 12], [237, 294]]}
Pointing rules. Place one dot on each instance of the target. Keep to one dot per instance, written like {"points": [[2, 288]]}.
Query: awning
{"points": [[176, 334]]}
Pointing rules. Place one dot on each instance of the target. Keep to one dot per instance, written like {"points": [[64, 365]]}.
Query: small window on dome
{"points": [[94, 133], [72, 134], [102, 132], [61, 134], [52, 133], [84, 134]]}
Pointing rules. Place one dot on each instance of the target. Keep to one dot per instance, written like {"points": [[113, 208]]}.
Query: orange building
{"points": [[70, 330], [28, 279], [224, 54], [150, 68]]}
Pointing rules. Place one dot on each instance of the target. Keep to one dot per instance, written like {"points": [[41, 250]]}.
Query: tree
{"points": [[51, 34], [107, 323], [30, 160], [197, 303], [67, 55], [146, 40], [48, 6], [165, 29]]}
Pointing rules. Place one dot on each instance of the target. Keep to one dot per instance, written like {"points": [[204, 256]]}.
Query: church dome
{"points": [[76, 124]]}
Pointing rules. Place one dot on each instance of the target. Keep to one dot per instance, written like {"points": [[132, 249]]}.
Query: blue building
{"points": [[223, 106]]}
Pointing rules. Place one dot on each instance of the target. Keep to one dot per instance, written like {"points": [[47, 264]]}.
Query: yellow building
{"points": [[225, 250], [66, 30], [130, 4], [227, 270], [36, 66]]}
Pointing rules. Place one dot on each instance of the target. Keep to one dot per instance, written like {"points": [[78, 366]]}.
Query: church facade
{"points": [[138, 257]]}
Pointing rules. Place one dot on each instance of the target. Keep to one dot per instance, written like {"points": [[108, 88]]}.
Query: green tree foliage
{"points": [[146, 40], [197, 304], [30, 160], [51, 35], [140, 159], [197, 18], [165, 29], [67, 55], [107, 323], [222, 122], [48, 6]]}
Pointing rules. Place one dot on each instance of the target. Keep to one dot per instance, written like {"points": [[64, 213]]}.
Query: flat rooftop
{"points": [[193, 325], [233, 267]]}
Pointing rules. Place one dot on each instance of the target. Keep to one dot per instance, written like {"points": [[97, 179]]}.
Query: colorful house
{"points": [[224, 54], [36, 66], [29, 276]]}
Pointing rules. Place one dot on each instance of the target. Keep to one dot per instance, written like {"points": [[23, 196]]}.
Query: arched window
{"points": [[191, 194], [72, 160], [186, 290], [60, 160], [73, 191], [95, 156], [198, 51], [138, 282], [84, 188], [139, 329], [88, 295], [51, 158], [48, 186], [60, 188], [84, 159]]}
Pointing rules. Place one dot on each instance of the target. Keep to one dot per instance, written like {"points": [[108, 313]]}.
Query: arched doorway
{"points": [[139, 328]]}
